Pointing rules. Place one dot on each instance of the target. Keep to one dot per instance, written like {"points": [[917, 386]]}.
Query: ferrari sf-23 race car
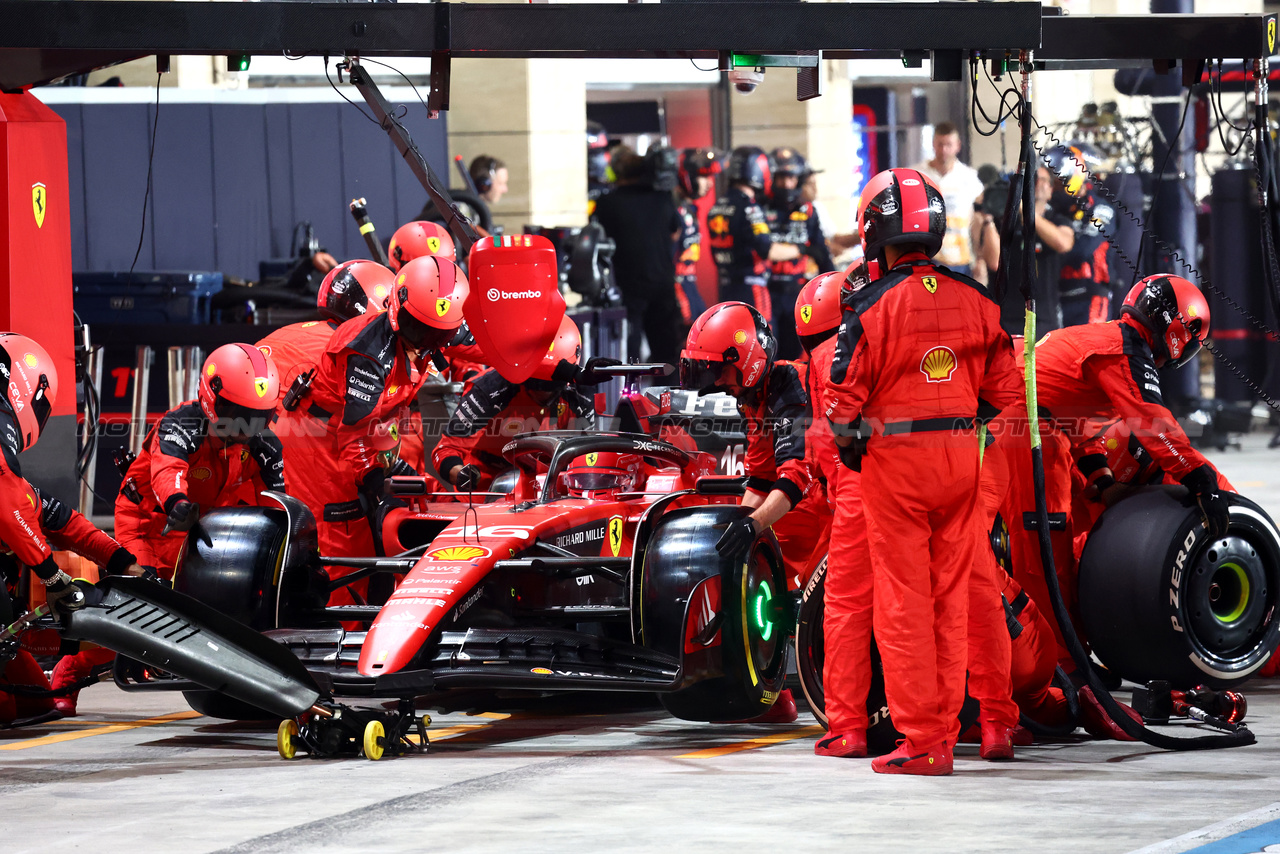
{"points": [[540, 590]]}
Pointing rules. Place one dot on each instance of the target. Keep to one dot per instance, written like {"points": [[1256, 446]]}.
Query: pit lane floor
{"points": [[141, 773]]}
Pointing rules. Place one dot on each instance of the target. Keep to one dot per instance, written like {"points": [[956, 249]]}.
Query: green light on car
{"points": [[764, 622]]}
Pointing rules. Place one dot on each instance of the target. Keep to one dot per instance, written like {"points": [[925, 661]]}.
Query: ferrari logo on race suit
{"points": [[615, 535], [244, 455], [938, 365], [451, 553], [433, 243], [39, 197], [719, 225], [442, 304], [260, 386], [806, 313], [930, 284], [592, 457]]}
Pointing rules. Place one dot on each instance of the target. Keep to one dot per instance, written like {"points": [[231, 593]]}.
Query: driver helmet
{"points": [[1175, 313], [239, 388], [601, 472], [31, 384], [729, 343], [425, 308], [416, 239], [353, 288]]}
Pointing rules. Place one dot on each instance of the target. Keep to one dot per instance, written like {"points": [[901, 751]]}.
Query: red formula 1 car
{"points": [[554, 586]]}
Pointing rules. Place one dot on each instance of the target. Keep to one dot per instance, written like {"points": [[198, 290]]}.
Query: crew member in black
{"points": [[1084, 282], [644, 224], [795, 221], [741, 243], [693, 181]]}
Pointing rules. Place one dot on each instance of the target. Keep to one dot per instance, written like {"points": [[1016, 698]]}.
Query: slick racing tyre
{"points": [[215, 704], [728, 621], [882, 737], [231, 561], [1159, 599]]}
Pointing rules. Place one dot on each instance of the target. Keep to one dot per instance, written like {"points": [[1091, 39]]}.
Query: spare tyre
{"points": [[1160, 599]]}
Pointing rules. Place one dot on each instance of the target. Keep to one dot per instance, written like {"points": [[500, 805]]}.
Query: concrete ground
{"points": [[141, 773]]}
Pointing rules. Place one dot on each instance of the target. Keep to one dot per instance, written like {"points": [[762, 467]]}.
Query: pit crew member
{"points": [[210, 452], [741, 243], [693, 182], [1084, 281], [918, 351], [369, 372], [419, 238], [792, 221], [494, 410]]}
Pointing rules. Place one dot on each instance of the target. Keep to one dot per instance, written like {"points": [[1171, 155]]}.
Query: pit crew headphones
{"points": [[483, 176]]}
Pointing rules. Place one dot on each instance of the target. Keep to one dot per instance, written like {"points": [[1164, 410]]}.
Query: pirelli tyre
{"points": [[727, 621], [1160, 599], [882, 736]]}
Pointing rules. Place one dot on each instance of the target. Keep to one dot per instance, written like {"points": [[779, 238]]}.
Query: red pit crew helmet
{"points": [[416, 239], [729, 344], [818, 304], [1175, 313], [239, 387], [901, 206], [31, 384], [425, 308], [352, 288], [601, 471], [567, 346]]}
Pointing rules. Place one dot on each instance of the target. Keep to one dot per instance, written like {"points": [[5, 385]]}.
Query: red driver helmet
{"points": [[1175, 313], [415, 239], [729, 344], [32, 384], [601, 471], [425, 308], [901, 206], [567, 345], [239, 387], [818, 308], [352, 288]]}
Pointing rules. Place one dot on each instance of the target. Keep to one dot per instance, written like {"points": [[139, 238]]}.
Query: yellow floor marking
{"points": [[762, 741], [103, 730]]}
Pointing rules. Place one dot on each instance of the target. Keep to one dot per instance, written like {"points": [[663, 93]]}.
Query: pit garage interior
{"points": [[166, 161]]}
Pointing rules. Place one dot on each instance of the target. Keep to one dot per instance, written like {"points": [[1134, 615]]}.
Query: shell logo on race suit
{"points": [[938, 365], [452, 553]]}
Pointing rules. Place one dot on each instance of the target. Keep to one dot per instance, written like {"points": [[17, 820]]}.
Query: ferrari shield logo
{"points": [[38, 190], [260, 386], [930, 284], [615, 535], [433, 243], [806, 313], [1271, 35], [442, 304], [394, 432], [592, 457]]}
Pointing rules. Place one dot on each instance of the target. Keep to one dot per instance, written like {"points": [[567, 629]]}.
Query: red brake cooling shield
{"points": [[514, 306]]}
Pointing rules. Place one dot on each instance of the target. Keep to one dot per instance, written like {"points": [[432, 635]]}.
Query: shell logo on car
{"points": [[450, 553], [938, 365]]}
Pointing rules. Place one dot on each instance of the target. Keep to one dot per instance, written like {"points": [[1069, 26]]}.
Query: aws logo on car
{"points": [[459, 553]]}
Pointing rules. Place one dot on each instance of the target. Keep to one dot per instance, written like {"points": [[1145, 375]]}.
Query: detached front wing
{"points": [[532, 659]]}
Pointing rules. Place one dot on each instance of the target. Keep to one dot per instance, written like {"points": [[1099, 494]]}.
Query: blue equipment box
{"points": [[145, 297]]}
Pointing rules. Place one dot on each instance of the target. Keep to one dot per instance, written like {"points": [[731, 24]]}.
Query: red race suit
{"points": [[917, 352], [181, 461]]}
